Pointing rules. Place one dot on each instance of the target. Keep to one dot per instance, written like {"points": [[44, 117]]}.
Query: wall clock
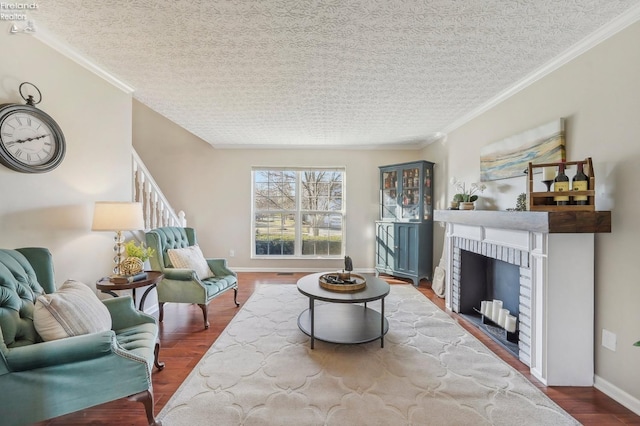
{"points": [[30, 140]]}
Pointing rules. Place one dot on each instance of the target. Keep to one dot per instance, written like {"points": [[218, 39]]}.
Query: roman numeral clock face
{"points": [[30, 140]]}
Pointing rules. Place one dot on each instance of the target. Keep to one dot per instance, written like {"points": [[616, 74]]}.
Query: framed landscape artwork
{"points": [[510, 157]]}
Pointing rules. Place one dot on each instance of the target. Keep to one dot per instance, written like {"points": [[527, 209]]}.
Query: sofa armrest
{"points": [[219, 267], [61, 351], [124, 314], [180, 274]]}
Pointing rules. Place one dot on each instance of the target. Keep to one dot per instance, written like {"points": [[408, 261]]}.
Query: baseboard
{"points": [[307, 270], [538, 375], [617, 394]]}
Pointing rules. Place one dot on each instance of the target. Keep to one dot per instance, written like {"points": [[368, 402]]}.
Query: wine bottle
{"points": [[561, 184], [580, 183]]}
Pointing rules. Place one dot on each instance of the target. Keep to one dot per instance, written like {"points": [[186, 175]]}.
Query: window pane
{"points": [[335, 242], [322, 235], [275, 234], [335, 204], [319, 189], [261, 176], [261, 203]]}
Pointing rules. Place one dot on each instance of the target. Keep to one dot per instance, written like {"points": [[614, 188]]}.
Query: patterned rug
{"points": [[431, 371]]}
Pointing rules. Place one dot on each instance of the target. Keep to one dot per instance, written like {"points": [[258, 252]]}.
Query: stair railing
{"points": [[157, 210]]}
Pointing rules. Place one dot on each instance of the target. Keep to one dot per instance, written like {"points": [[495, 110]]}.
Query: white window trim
{"points": [[298, 213]]}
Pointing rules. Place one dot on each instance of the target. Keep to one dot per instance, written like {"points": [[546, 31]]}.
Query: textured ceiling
{"points": [[356, 73]]}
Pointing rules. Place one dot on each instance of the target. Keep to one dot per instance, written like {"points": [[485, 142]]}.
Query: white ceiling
{"points": [[340, 73]]}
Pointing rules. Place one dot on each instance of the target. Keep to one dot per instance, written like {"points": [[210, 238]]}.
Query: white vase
{"points": [[467, 205]]}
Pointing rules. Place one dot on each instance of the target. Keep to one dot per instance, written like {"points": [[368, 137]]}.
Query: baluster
{"points": [[161, 211], [139, 190], [147, 206], [134, 181], [154, 212], [159, 208], [182, 217], [165, 216]]}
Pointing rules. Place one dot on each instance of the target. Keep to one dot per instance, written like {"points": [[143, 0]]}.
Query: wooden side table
{"points": [[106, 286]]}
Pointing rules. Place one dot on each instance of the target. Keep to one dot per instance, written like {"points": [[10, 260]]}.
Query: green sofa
{"points": [[182, 285], [40, 380]]}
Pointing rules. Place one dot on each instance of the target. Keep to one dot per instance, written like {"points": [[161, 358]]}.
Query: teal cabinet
{"points": [[404, 233]]}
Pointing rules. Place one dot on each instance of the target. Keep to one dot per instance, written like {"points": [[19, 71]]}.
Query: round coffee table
{"points": [[341, 320]]}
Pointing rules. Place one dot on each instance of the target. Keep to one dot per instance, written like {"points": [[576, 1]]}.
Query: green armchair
{"points": [[183, 285], [44, 379]]}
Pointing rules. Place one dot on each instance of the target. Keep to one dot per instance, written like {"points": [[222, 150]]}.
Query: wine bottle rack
{"points": [[543, 201]]}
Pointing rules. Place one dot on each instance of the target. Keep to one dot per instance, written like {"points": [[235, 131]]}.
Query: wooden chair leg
{"points": [[204, 308], [146, 398], [156, 352], [235, 296], [161, 314]]}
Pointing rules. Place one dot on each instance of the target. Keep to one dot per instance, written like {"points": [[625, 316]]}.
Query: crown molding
{"points": [[365, 147], [63, 48], [600, 35]]}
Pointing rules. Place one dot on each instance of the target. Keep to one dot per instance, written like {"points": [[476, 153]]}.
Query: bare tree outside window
{"points": [[298, 212]]}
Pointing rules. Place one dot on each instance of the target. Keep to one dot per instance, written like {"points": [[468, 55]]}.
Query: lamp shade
{"points": [[117, 216]]}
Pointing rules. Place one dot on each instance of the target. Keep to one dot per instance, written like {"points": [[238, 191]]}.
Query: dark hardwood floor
{"points": [[184, 342]]}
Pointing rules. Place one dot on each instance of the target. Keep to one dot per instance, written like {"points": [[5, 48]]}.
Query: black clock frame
{"points": [[7, 158]]}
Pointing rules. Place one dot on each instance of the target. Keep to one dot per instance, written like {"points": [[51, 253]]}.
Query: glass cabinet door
{"points": [[411, 202], [389, 200], [428, 204]]}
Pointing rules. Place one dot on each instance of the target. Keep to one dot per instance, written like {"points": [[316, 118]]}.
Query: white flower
{"points": [[464, 194]]}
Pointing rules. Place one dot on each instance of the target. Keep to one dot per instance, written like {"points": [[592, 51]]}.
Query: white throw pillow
{"points": [[190, 258], [74, 309]]}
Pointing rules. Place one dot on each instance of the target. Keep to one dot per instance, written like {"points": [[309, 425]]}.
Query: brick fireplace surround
{"points": [[555, 255]]}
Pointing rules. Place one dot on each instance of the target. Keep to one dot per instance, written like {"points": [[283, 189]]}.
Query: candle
{"points": [[489, 309], [502, 317], [497, 305], [548, 173], [510, 323]]}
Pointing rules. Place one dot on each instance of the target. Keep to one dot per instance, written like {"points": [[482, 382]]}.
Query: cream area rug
{"points": [[261, 371]]}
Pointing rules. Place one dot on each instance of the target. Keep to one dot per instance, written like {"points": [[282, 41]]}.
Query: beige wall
{"points": [[599, 95], [213, 187], [54, 209]]}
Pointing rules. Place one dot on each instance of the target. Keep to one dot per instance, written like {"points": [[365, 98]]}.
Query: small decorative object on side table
{"points": [[137, 254], [343, 281], [107, 285]]}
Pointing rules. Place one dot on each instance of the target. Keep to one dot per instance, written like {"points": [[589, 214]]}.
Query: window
{"points": [[298, 213]]}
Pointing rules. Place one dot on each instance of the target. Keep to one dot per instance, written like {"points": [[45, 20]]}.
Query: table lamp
{"points": [[117, 216]]}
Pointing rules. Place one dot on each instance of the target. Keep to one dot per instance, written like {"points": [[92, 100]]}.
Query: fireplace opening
{"points": [[486, 279]]}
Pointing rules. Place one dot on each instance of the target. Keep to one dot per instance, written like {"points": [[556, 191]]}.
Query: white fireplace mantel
{"points": [[560, 251]]}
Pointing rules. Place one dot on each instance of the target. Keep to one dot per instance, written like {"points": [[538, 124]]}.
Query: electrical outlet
{"points": [[232, 253], [609, 340]]}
